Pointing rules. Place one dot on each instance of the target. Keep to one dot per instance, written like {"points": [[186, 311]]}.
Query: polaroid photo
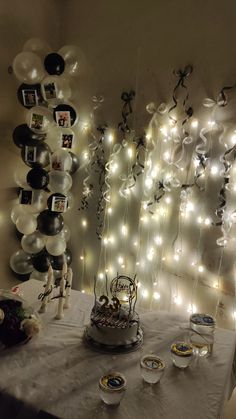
{"points": [[67, 140], [63, 119], [30, 97], [56, 163], [59, 203], [36, 121], [26, 197], [50, 90], [30, 153]]}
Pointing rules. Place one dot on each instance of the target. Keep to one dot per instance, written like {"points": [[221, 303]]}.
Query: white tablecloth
{"points": [[58, 374]]}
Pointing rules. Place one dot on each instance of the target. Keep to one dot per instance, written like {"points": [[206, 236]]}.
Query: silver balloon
{"points": [[59, 181], [33, 243], [38, 46], [58, 138], [28, 67], [55, 245], [21, 262]]}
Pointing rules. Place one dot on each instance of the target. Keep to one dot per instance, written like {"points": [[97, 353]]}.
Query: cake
{"points": [[114, 324], [17, 323]]}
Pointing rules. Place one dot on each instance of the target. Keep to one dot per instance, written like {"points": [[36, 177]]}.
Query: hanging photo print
{"points": [[67, 140], [36, 121], [50, 90], [26, 197], [30, 97], [30, 154], [59, 203]]}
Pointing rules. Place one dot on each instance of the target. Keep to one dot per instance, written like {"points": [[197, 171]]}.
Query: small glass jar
{"points": [[112, 387], [202, 333], [152, 368], [181, 354]]}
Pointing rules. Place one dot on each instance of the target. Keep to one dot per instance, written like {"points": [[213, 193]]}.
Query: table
{"points": [[58, 374]]}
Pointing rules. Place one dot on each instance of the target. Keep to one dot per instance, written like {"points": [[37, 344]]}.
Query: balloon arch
{"points": [[44, 192]]}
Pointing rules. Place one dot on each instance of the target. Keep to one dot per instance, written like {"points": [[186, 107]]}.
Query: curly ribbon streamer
{"points": [[222, 98], [222, 194], [138, 166], [182, 76], [158, 195], [127, 98]]}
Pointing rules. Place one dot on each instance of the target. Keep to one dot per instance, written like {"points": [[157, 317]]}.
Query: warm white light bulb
{"points": [[156, 295], [124, 230], [211, 123], [191, 308], [130, 152], [81, 257], [158, 240], [168, 199], [114, 167], [145, 293], [207, 221], [199, 219], [109, 210], [214, 170], [101, 275], [189, 207], [110, 138], [176, 257], [84, 223], [178, 300], [120, 260], [194, 123], [148, 182], [200, 268]]}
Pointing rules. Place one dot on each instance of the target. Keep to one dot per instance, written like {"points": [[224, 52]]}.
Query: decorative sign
{"points": [[124, 288]]}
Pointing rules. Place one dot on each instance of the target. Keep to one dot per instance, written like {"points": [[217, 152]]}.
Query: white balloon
{"points": [[39, 119], [55, 246], [74, 60], [16, 211], [59, 181], [28, 67], [33, 243], [38, 46], [20, 176], [21, 263], [26, 223], [55, 89], [61, 160]]}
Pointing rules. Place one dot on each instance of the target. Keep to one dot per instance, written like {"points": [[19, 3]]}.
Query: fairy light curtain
{"points": [[164, 199]]}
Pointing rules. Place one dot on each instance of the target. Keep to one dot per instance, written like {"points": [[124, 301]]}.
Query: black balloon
{"points": [[41, 155], [50, 223], [23, 136], [57, 261], [75, 163], [29, 95], [50, 199], [21, 277], [37, 178], [61, 122], [54, 64], [41, 261]]}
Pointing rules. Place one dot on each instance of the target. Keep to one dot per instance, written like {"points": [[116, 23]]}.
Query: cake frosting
{"points": [[116, 325]]}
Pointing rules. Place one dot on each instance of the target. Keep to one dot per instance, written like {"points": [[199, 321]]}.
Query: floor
{"points": [[230, 410]]}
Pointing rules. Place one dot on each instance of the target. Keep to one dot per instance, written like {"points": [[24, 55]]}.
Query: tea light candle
{"points": [[181, 353], [112, 387], [152, 368], [202, 323]]}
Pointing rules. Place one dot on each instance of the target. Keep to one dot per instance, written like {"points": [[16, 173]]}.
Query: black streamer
{"points": [[127, 98], [222, 98], [158, 195], [182, 76]]}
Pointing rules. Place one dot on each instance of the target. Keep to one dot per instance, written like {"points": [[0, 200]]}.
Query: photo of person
{"points": [[56, 163], [59, 203], [63, 119], [50, 90], [30, 153], [66, 140], [26, 197], [30, 97], [36, 121]]}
